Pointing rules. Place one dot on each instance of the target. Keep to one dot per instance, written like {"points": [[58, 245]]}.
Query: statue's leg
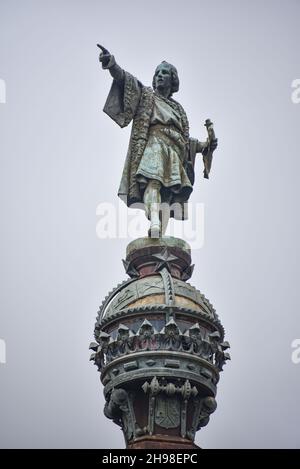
{"points": [[152, 201], [164, 216]]}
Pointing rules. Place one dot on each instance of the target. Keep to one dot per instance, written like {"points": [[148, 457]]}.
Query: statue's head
{"points": [[166, 75]]}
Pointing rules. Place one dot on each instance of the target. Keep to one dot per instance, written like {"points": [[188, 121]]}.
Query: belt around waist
{"points": [[165, 128]]}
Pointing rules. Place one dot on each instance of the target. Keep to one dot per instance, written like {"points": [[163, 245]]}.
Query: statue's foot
{"points": [[154, 230]]}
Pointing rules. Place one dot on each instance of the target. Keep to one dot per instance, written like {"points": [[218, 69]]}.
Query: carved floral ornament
{"points": [[209, 348]]}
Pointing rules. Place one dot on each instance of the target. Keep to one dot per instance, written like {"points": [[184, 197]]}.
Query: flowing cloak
{"points": [[129, 100]]}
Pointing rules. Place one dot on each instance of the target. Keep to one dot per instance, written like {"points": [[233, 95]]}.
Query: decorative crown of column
{"points": [[159, 348]]}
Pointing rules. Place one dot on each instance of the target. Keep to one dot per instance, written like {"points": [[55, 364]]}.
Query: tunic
{"points": [[165, 152]]}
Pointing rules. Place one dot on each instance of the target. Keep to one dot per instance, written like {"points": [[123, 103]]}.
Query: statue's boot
{"points": [[155, 226], [152, 200], [164, 217]]}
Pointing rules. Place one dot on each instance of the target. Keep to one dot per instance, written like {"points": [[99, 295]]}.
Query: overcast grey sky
{"points": [[61, 156]]}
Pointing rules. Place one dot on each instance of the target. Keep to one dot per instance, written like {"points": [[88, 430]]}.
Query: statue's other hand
{"points": [[104, 56], [213, 144]]}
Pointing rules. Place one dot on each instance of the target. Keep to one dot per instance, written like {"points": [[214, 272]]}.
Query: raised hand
{"points": [[104, 56]]}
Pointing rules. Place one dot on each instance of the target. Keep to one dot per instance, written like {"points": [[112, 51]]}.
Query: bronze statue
{"points": [[159, 167]]}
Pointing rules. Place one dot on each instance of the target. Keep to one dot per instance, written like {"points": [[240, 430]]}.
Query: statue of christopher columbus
{"points": [[159, 167]]}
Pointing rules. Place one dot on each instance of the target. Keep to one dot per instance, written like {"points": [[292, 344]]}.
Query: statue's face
{"points": [[172, 331], [147, 332], [163, 76], [195, 334], [123, 335]]}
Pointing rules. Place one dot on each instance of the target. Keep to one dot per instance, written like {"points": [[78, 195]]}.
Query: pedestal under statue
{"points": [[159, 348]]}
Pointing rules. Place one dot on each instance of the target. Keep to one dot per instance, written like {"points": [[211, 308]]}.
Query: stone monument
{"points": [[159, 343]]}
